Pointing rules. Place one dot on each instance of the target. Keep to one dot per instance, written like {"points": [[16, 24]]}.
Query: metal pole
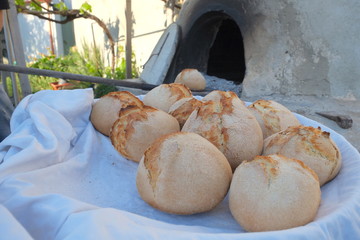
{"points": [[76, 77], [128, 47], [11, 18], [11, 58]]}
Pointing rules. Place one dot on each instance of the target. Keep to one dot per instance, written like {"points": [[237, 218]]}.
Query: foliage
{"points": [[35, 8], [85, 7], [102, 89], [88, 62]]}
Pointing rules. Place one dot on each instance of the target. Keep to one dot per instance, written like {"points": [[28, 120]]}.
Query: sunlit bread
{"points": [[192, 78], [225, 121], [106, 109], [183, 173], [311, 145], [274, 193], [182, 109], [165, 95], [137, 128], [272, 116]]}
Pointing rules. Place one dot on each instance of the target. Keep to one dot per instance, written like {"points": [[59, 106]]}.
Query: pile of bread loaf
{"points": [[192, 153]]}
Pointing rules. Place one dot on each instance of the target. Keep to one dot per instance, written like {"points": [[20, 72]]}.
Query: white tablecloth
{"points": [[61, 179]]}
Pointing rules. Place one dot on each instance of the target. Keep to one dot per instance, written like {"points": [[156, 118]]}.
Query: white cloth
{"points": [[61, 179]]}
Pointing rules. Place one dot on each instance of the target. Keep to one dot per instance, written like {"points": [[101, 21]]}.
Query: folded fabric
{"points": [[61, 179]]}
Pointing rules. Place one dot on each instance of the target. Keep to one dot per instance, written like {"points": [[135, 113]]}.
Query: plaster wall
{"points": [[302, 47], [37, 35], [36, 38], [291, 47]]}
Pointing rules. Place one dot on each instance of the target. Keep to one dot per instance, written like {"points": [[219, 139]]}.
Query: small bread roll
{"points": [[311, 145], [106, 110], [274, 193], [165, 95], [272, 116], [137, 128], [228, 124], [182, 109], [183, 173], [192, 78]]}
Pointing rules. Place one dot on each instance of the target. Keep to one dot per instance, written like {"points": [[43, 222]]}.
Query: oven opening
{"points": [[226, 55]]}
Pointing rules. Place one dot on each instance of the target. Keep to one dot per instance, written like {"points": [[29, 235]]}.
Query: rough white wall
{"points": [[35, 35], [148, 23], [302, 47]]}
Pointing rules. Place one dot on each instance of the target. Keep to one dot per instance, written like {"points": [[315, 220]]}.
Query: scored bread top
{"points": [[124, 129], [269, 165], [272, 116], [183, 173], [136, 128], [182, 109], [311, 145], [106, 110], [165, 95], [273, 193], [224, 120]]}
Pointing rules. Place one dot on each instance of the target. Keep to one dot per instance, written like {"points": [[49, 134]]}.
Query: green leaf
{"points": [[61, 6], [20, 2], [33, 6], [85, 7]]}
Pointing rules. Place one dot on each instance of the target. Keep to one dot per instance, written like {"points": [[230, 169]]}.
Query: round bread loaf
{"points": [[272, 116], [137, 128], [274, 193], [165, 95], [183, 173], [182, 109], [218, 96], [192, 78], [311, 145], [106, 110], [228, 124]]}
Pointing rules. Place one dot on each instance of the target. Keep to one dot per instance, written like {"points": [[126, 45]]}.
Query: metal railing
{"points": [[76, 77]]}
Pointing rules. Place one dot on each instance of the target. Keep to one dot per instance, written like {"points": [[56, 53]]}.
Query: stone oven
{"points": [[288, 47]]}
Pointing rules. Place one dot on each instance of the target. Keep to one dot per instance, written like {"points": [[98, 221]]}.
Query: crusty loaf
{"points": [[182, 109], [274, 193], [272, 116], [106, 110], [311, 145], [192, 78], [225, 121], [165, 95], [137, 128], [183, 173]]}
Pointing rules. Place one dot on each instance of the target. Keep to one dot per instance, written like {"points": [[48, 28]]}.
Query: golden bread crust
{"points": [[183, 173], [274, 192], [311, 145], [272, 116], [106, 110], [136, 128]]}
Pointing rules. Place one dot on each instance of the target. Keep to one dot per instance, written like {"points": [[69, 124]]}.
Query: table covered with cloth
{"points": [[62, 179]]}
